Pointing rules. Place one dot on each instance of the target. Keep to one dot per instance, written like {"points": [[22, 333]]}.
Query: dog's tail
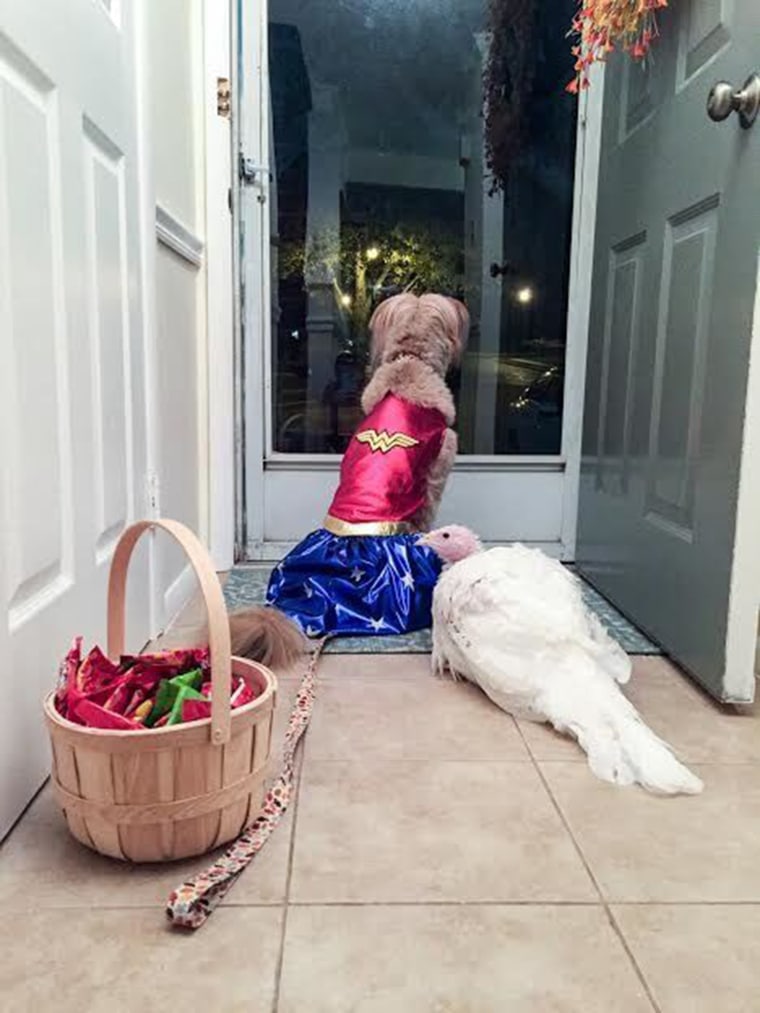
{"points": [[266, 635]]}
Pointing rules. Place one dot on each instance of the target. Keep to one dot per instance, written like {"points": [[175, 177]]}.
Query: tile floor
{"points": [[439, 857]]}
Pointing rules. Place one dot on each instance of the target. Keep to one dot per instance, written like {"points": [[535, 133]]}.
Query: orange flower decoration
{"points": [[601, 26]]}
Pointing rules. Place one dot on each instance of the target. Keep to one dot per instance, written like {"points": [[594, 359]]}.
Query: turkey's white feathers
{"points": [[513, 622]]}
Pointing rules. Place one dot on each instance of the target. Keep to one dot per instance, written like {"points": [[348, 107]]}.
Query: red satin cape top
{"points": [[384, 472]]}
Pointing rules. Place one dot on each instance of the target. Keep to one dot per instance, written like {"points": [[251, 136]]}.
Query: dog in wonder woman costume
{"points": [[364, 571]]}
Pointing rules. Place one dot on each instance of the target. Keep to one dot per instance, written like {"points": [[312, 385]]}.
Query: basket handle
{"points": [[218, 623]]}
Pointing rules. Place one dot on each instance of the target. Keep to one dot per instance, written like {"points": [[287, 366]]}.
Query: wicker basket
{"points": [[169, 793]]}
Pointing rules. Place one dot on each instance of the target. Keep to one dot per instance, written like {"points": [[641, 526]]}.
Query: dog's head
{"points": [[431, 328]]}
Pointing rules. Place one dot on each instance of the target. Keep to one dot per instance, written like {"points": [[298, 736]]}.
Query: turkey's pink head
{"points": [[452, 543]]}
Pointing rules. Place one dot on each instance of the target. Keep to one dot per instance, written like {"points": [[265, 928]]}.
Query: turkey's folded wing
{"points": [[485, 637]]}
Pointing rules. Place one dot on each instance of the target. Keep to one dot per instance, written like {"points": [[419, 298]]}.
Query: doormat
{"points": [[247, 585]]}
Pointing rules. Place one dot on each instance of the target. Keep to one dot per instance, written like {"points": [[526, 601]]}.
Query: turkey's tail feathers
{"points": [[628, 752], [266, 635], [619, 746]]}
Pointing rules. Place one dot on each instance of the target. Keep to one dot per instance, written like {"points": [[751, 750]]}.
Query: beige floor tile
{"points": [[295, 672], [389, 830], [697, 959], [698, 729], [381, 666], [460, 959], [420, 719], [43, 866], [644, 848], [287, 690], [132, 962]]}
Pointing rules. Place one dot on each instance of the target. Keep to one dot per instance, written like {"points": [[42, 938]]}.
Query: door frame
{"points": [[588, 150], [222, 294], [237, 417]]}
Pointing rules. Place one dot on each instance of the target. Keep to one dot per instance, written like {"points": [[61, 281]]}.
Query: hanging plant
{"points": [[507, 83], [602, 26]]}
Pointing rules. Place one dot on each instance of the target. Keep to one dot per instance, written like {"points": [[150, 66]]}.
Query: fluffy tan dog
{"points": [[364, 572]]}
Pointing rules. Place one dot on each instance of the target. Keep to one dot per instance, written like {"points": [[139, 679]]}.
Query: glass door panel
{"points": [[380, 185]]}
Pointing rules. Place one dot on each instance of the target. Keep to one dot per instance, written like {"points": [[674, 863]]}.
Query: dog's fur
{"points": [[266, 635], [415, 340]]}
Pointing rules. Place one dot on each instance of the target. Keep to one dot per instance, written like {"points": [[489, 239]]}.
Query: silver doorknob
{"points": [[724, 100]]}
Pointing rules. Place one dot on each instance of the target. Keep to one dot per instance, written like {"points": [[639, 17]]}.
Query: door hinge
{"points": [[223, 97], [153, 495]]}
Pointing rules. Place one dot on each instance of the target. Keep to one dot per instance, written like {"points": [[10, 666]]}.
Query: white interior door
{"points": [[72, 398], [669, 518], [363, 134]]}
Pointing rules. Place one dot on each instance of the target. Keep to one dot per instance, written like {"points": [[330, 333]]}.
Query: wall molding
{"points": [[172, 233]]}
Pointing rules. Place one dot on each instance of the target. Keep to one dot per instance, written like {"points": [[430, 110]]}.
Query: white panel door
{"points": [[72, 404]]}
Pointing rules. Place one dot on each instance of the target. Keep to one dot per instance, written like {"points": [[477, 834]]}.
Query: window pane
{"points": [[381, 185]]}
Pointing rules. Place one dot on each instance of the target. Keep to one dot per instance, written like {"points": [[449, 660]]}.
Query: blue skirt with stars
{"points": [[334, 585]]}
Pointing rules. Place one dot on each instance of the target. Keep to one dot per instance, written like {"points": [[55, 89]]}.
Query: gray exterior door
{"points": [[669, 511]]}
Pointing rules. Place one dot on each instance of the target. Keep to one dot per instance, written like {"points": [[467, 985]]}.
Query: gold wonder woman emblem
{"points": [[385, 441]]}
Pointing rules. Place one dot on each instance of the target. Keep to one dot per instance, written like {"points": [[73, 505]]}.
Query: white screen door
{"points": [[364, 145], [72, 399], [669, 516]]}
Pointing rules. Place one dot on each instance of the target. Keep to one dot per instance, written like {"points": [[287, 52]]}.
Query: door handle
{"points": [[724, 100]]}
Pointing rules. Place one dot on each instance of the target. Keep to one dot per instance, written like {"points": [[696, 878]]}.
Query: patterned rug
{"points": [[246, 585]]}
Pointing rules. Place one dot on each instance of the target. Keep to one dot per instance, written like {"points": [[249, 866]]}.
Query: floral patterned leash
{"points": [[191, 903]]}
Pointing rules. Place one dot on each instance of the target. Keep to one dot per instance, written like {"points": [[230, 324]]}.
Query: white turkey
{"points": [[513, 622]]}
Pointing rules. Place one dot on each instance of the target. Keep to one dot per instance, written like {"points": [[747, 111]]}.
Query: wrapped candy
{"points": [[169, 690], [95, 716], [142, 691], [194, 709], [184, 695], [97, 672], [167, 664], [67, 675], [241, 694], [139, 701], [118, 700], [141, 712]]}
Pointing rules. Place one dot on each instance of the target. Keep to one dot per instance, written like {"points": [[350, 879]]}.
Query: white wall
{"points": [[175, 76]]}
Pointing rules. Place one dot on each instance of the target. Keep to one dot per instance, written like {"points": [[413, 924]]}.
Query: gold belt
{"points": [[346, 528]]}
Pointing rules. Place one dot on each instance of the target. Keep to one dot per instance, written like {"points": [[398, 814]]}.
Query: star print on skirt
{"points": [[352, 585]]}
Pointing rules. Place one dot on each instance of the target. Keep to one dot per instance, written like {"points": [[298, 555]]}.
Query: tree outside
{"points": [[366, 265]]}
